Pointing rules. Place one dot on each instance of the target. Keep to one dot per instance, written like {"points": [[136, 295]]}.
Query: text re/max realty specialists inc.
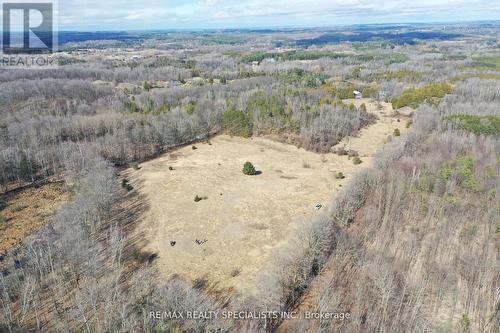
{"points": [[214, 315]]}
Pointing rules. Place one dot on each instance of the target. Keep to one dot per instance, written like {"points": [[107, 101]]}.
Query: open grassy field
{"points": [[244, 219]]}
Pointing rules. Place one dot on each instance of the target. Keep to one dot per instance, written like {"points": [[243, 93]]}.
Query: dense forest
{"points": [[412, 243]]}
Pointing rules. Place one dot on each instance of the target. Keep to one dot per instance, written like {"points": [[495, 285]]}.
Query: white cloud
{"points": [[108, 14], [221, 15], [209, 2]]}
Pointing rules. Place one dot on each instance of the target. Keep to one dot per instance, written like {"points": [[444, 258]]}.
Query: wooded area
{"points": [[410, 245]]}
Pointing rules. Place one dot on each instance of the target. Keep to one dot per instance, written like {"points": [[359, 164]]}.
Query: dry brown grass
{"points": [[246, 219], [26, 210], [243, 218]]}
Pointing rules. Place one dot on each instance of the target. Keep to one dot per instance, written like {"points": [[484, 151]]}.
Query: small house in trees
{"points": [[357, 94]]}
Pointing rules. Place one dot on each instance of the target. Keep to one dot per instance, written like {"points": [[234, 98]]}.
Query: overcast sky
{"points": [[168, 14]]}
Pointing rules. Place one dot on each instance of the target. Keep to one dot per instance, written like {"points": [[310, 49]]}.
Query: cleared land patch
{"points": [[22, 212], [242, 220]]}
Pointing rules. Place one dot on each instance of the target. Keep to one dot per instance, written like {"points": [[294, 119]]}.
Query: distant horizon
{"points": [[129, 15], [277, 27]]}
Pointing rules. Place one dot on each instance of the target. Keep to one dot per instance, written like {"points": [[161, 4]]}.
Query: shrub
{"points": [[249, 169], [339, 175], [190, 108], [465, 322], [2, 219], [306, 165], [462, 171], [147, 86], [194, 147], [171, 168], [396, 132], [25, 167], [356, 160], [131, 106], [126, 185]]}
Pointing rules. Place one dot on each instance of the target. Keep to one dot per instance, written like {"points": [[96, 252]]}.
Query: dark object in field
{"points": [[356, 160], [352, 153], [363, 318], [152, 257], [171, 168], [1, 258], [318, 206], [194, 147], [126, 185], [341, 151], [339, 175], [18, 264], [200, 242], [172, 243], [197, 198]]}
